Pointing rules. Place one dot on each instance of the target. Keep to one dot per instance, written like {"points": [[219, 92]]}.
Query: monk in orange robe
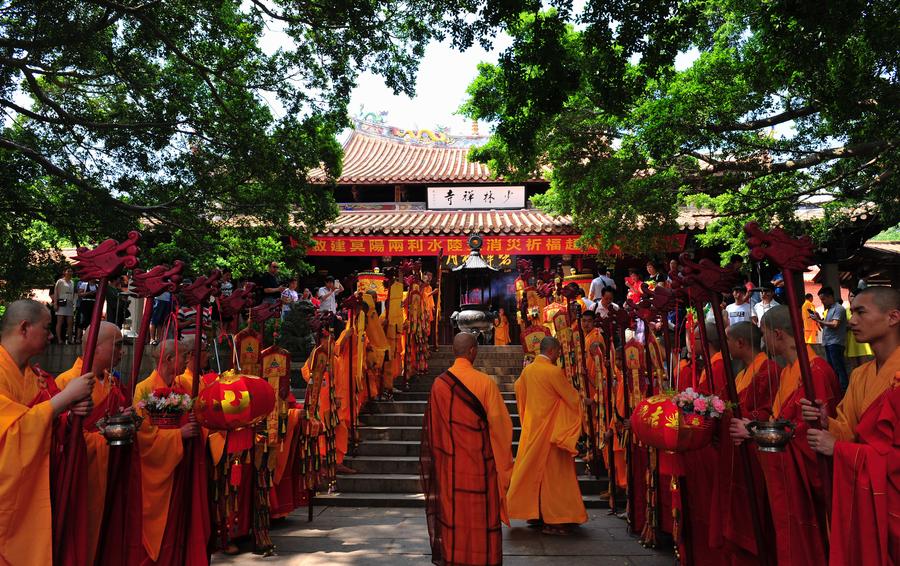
{"points": [[174, 522], [794, 486], [396, 336], [376, 346], [428, 296], [341, 366], [109, 398], [28, 421], [466, 466], [501, 329], [863, 438], [732, 530], [544, 486]]}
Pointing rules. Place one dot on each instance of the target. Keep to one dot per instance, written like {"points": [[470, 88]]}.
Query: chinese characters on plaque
{"points": [[475, 198]]}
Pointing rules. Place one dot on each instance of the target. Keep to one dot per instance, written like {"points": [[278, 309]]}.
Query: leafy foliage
{"points": [[785, 104], [174, 117]]}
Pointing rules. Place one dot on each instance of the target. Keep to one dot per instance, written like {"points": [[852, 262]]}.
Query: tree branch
{"points": [[767, 122]]}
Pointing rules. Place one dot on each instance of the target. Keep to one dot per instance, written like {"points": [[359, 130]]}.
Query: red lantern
{"points": [[234, 401], [659, 423]]}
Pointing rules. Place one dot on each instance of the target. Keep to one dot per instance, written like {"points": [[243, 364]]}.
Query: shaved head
{"points": [[549, 344], [885, 298], [746, 331], [108, 334], [165, 349], [462, 343], [778, 318], [25, 310]]}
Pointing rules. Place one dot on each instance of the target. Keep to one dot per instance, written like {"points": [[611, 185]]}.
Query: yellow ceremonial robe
{"points": [[161, 451], [341, 366], [97, 459], [25, 436], [499, 423], [867, 383], [501, 331], [544, 483]]}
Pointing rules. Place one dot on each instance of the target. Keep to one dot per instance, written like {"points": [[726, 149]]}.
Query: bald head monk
{"points": [[27, 418], [861, 438], [107, 355], [544, 487], [467, 511]]}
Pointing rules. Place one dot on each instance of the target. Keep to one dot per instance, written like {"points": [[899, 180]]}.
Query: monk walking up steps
{"points": [[466, 462], [544, 487]]}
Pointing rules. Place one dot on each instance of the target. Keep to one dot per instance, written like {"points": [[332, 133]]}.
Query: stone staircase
{"points": [[387, 458]]}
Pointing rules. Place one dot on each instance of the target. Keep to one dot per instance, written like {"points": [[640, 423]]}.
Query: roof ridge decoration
{"points": [[370, 124]]}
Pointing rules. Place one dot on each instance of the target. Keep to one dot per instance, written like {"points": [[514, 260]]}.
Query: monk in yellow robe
{"points": [[164, 484], [27, 418], [341, 367], [395, 317], [862, 439], [501, 329], [108, 398], [428, 297], [466, 462], [810, 328], [376, 345], [544, 486]]}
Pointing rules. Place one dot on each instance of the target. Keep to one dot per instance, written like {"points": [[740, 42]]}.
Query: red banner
{"points": [[456, 245]]}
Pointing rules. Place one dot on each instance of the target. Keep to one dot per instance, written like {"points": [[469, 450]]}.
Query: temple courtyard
{"points": [[399, 536]]}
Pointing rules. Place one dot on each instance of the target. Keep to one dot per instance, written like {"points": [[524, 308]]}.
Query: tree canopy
{"points": [[175, 117], [781, 104]]}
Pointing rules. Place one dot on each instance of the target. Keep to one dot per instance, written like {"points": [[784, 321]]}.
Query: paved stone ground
{"points": [[398, 537]]}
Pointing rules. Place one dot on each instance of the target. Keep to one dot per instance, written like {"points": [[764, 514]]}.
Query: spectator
{"points": [[87, 298], [834, 333], [739, 310], [858, 353], [598, 284], [162, 307], [116, 302], [271, 287], [762, 307], [778, 285], [63, 298], [736, 263], [328, 295], [288, 297], [226, 285], [653, 274], [674, 267], [605, 306]]}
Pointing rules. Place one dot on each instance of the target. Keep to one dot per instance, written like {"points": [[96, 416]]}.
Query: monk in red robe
{"points": [[466, 466], [731, 532], [174, 521], [864, 439], [794, 486], [29, 421], [109, 398]]}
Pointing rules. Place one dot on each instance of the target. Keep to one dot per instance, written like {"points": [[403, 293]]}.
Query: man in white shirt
{"points": [[762, 307], [605, 306], [328, 295], [598, 284], [739, 310]]}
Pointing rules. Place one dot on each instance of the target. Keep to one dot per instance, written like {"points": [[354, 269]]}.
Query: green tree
{"points": [[172, 117], [786, 104]]}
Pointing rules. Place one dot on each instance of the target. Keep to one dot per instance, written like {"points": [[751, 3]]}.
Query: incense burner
{"points": [[771, 436], [475, 319], [119, 430]]}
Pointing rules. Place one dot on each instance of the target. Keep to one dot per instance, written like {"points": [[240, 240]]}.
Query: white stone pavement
{"points": [[398, 537]]}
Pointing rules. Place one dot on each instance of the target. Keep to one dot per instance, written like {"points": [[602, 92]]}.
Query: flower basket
{"points": [[670, 422], [166, 420]]}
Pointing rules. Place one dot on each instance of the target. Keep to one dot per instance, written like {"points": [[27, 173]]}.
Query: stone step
{"points": [[343, 499], [394, 433], [424, 387], [409, 483], [423, 396], [383, 465], [405, 419], [415, 407]]}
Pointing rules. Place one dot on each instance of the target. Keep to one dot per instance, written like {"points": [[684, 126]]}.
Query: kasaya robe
{"points": [[810, 326], [174, 521], [395, 316], [342, 383], [544, 483], [109, 398], [701, 467], [324, 403], [428, 301], [865, 520], [288, 489], [501, 331], [27, 427], [462, 435], [794, 485], [376, 347], [732, 527], [867, 383]]}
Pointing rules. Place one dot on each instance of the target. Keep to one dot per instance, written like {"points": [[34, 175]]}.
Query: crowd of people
{"points": [[828, 495]]}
